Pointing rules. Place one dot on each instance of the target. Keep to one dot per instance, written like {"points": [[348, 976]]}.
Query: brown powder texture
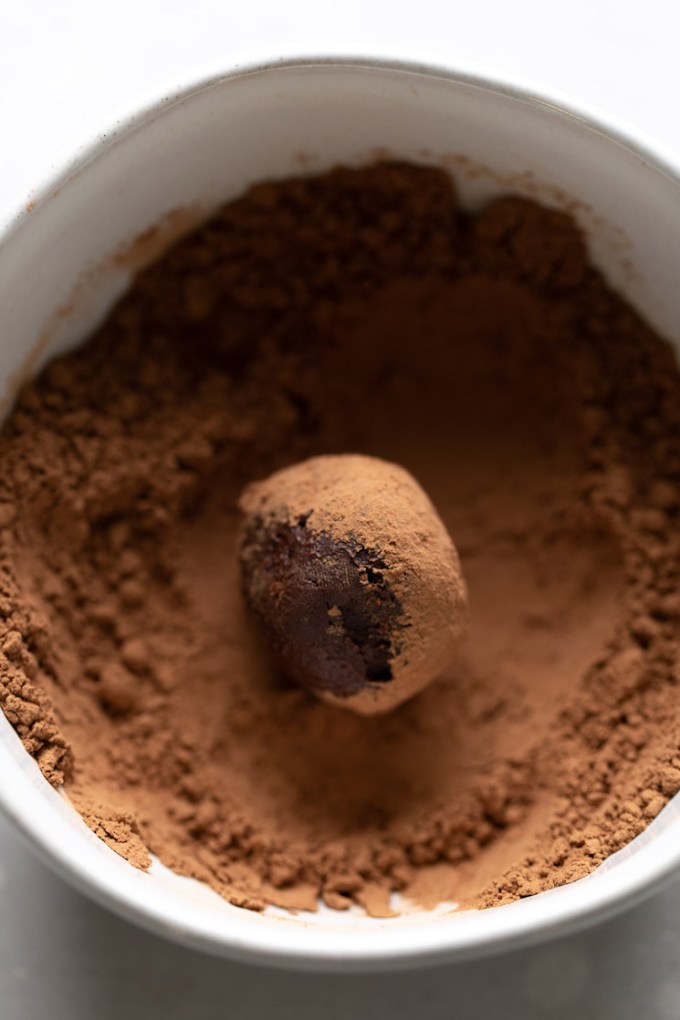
{"points": [[359, 311], [119, 830]]}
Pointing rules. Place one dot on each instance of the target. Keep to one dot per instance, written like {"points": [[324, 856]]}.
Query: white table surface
{"points": [[68, 68]]}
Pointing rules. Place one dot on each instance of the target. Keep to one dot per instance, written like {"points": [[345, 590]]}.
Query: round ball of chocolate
{"points": [[353, 578]]}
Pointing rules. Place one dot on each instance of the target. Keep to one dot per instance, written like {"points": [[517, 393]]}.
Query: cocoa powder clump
{"points": [[361, 311]]}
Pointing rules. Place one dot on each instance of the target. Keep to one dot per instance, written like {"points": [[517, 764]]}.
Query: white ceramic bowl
{"points": [[63, 261]]}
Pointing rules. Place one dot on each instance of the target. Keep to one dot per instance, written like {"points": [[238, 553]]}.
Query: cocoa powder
{"points": [[358, 311]]}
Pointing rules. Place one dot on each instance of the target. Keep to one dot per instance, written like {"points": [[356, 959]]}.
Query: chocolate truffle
{"points": [[353, 579]]}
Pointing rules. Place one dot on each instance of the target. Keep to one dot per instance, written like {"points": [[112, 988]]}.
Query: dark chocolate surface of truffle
{"points": [[327, 607]]}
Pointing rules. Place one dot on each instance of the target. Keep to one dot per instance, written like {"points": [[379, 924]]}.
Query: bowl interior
{"points": [[66, 260]]}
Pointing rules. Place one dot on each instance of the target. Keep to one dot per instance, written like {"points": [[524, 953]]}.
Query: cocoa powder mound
{"points": [[359, 311]]}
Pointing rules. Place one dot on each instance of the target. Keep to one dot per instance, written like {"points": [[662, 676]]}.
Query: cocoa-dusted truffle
{"points": [[353, 579]]}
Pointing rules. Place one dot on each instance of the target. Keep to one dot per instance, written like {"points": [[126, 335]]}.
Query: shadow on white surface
{"points": [[64, 957]]}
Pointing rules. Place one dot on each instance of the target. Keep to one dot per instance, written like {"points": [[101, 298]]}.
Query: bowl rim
{"points": [[300, 947], [130, 116]]}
